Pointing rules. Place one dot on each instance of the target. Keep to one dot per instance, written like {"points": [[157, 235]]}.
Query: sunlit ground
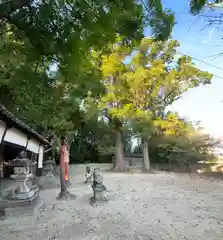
{"points": [[140, 206]]}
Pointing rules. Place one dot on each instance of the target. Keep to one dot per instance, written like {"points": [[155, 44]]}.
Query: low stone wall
{"points": [[136, 162], [213, 174], [176, 168], [81, 168]]}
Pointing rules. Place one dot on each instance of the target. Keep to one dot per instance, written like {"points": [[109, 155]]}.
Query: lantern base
{"points": [[30, 209]]}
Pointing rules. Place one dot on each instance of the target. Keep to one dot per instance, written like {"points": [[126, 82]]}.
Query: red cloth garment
{"points": [[64, 161], [64, 156]]}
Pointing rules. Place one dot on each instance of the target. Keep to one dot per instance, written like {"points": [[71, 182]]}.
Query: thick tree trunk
{"points": [[119, 156], [63, 185], [64, 193], [145, 152]]}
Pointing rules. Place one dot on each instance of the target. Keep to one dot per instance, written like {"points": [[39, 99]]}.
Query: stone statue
{"points": [[97, 177], [98, 186]]}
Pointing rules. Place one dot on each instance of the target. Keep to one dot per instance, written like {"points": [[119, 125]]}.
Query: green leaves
{"points": [[161, 20], [103, 66], [53, 27], [179, 141], [197, 5], [137, 91]]}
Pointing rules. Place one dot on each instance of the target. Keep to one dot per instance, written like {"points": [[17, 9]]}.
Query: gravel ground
{"points": [[155, 206]]}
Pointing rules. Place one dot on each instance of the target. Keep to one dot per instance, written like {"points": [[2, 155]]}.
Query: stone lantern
{"points": [[24, 197], [49, 166], [22, 173], [48, 180]]}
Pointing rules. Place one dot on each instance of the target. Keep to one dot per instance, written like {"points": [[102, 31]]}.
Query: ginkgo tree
{"points": [[112, 101], [157, 79], [142, 82]]}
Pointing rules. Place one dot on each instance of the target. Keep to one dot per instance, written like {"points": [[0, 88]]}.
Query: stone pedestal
{"points": [[99, 194], [25, 209]]}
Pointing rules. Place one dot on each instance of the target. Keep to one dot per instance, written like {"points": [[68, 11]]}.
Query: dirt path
{"points": [[155, 206]]}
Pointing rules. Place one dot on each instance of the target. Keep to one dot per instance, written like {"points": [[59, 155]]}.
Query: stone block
{"points": [[99, 196], [29, 209]]}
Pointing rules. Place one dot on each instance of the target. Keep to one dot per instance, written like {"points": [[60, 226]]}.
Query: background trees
{"points": [[197, 6], [140, 83]]}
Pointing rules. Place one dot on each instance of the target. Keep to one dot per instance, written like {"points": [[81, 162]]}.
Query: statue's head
{"points": [[88, 169], [97, 175]]}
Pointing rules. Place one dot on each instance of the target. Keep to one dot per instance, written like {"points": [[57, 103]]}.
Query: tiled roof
{"points": [[9, 117]]}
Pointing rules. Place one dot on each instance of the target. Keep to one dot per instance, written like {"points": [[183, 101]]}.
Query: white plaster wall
{"points": [[33, 145], [40, 158], [15, 136], [2, 129]]}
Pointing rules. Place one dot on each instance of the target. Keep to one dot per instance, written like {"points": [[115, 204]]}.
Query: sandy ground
{"points": [[156, 206]]}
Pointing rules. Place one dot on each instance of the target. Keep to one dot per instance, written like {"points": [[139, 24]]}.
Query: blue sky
{"points": [[204, 103]]}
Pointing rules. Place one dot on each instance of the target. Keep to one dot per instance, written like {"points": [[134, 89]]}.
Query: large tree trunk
{"points": [[64, 193], [119, 156], [63, 185], [145, 153]]}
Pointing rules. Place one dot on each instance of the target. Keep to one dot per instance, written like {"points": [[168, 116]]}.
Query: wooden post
{"points": [[1, 151]]}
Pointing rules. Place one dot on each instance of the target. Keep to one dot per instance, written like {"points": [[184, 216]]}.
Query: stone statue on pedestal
{"points": [[98, 186]]}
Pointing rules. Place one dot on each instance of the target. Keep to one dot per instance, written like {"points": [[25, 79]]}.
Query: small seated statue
{"points": [[88, 175], [98, 186]]}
